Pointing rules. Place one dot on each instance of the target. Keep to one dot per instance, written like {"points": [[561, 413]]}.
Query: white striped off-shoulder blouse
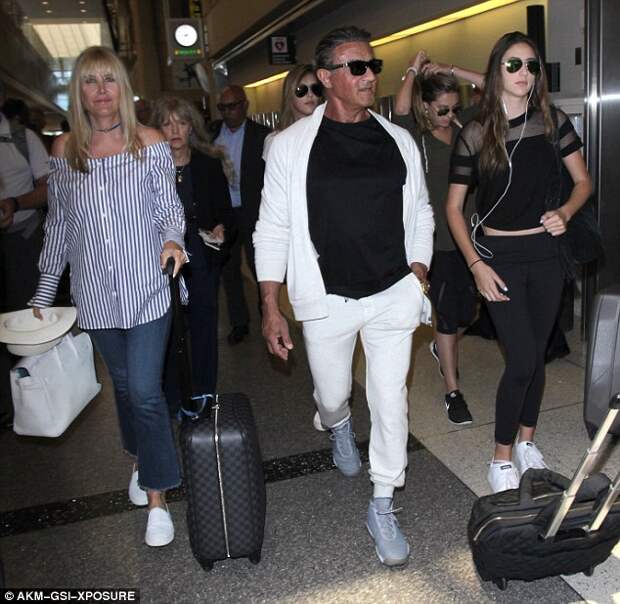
{"points": [[110, 224]]}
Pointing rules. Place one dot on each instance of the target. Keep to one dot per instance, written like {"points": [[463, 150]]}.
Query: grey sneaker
{"points": [[344, 450], [390, 543]]}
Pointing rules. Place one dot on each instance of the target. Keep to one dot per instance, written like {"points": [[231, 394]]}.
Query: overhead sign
{"points": [[185, 41], [282, 50]]}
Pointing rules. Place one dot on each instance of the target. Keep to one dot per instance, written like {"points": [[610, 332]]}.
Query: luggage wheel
{"points": [[207, 564], [255, 557], [589, 571], [501, 583]]}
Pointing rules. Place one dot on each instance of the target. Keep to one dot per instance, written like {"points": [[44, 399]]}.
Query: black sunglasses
{"points": [[445, 110], [359, 67], [302, 90], [513, 65], [228, 106]]}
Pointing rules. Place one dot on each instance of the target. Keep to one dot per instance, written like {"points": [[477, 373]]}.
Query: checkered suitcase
{"points": [[223, 469]]}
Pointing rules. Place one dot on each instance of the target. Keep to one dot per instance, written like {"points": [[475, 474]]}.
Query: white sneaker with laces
{"points": [[527, 455], [502, 476], [137, 496], [159, 528]]}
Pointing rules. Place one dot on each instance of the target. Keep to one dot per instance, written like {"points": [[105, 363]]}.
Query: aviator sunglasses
{"points": [[302, 90], [513, 65], [444, 110], [359, 67]]}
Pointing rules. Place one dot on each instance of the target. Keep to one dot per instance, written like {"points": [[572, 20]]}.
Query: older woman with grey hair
{"points": [[202, 185]]}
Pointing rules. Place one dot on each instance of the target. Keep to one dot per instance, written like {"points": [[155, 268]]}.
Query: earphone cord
{"points": [[476, 222]]}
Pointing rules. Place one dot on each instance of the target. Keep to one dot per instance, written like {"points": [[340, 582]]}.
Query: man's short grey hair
{"points": [[336, 37]]}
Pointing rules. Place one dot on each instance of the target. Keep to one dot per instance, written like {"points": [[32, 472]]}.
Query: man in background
{"points": [[23, 191], [243, 140]]}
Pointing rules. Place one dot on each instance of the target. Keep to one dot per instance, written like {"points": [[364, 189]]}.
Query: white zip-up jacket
{"points": [[282, 237]]}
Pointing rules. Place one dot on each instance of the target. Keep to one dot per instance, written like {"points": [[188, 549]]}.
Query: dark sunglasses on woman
{"points": [[302, 90], [513, 65], [444, 110], [359, 67]]}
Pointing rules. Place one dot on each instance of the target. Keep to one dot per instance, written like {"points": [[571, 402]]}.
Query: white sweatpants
{"points": [[386, 322]]}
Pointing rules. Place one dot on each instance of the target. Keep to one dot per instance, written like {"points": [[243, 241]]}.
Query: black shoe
{"points": [[458, 413], [433, 348], [238, 334]]}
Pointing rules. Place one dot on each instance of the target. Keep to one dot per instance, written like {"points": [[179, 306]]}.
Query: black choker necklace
{"points": [[104, 130]]}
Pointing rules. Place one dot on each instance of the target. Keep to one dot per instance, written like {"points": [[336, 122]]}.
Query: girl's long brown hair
{"points": [[492, 115], [98, 59]]}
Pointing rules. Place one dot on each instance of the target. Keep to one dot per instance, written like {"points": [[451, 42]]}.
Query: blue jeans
{"points": [[135, 358]]}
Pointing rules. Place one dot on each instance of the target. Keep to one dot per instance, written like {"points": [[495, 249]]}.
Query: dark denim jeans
{"points": [[135, 359]]}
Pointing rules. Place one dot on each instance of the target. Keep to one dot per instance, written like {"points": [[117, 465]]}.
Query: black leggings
{"points": [[530, 267]]}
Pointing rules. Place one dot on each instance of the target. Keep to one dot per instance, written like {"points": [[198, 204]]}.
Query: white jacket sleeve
{"points": [[420, 224], [271, 237]]}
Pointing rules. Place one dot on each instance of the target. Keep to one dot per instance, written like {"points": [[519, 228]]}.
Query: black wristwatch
{"points": [[15, 204]]}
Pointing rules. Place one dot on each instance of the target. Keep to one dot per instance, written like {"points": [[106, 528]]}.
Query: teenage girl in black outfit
{"points": [[509, 153]]}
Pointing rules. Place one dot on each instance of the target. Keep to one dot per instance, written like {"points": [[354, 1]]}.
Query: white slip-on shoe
{"points": [[527, 456], [502, 476], [137, 496], [159, 528]]}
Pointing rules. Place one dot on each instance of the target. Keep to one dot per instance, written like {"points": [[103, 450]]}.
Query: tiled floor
{"points": [[84, 533]]}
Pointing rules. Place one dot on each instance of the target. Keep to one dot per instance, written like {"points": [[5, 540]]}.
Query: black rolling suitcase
{"points": [[549, 525], [223, 470], [603, 368]]}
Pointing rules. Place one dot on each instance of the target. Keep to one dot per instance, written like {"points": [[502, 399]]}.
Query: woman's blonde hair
{"points": [[198, 138], [291, 82], [98, 59]]}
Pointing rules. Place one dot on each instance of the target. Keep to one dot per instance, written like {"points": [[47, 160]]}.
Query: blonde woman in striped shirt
{"points": [[115, 217]]}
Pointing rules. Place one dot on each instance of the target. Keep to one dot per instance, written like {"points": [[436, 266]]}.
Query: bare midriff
{"points": [[498, 233]]}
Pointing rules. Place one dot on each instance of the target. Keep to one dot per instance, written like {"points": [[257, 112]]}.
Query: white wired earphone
{"points": [[476, 222]]}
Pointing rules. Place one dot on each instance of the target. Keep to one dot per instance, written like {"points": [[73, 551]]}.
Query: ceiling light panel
{"points": [[67, 40]]}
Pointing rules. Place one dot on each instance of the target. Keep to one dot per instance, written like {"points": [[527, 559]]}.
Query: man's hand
{"points": [[275, 332], [420, 271], [7, 211]]}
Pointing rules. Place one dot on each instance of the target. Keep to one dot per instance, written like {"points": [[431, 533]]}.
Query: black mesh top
{"points": [[534, 170]]}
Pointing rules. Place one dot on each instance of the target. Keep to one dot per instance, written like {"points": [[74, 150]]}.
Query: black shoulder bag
{"points": [[583, 236]]}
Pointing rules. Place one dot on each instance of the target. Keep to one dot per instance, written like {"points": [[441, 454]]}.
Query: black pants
{"points": [[531, 269], [202, 277], [19, 275], [232, 279]]}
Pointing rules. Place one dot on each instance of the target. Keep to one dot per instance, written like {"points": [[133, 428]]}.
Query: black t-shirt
{"points": [[354, 185], [534, 171]]}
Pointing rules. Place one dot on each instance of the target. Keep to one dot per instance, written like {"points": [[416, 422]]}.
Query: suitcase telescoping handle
{"points": [[190, 406], [584, 468]]}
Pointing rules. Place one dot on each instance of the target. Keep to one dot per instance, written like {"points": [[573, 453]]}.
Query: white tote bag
{"points": [[50, 389]]}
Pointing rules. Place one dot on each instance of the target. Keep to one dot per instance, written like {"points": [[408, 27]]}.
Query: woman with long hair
{"points": [[202, 185], [115, 217], [427, 105], [301, 95], [512, 152]]}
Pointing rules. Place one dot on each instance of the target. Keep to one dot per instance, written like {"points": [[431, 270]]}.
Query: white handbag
{"points": [[50, 389]]}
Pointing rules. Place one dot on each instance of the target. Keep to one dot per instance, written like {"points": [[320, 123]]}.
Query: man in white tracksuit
{"points": [[345, 217]]}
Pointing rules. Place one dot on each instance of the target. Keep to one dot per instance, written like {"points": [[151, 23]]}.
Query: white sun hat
{"points": [[25, 335]]}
